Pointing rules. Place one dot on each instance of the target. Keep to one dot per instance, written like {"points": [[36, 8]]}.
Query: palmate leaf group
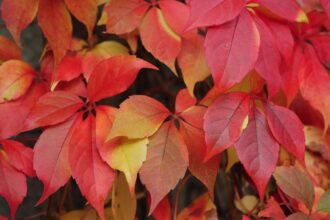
{"points": [[160, 94]]}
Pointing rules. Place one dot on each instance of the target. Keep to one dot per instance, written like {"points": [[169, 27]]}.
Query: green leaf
{"points": [[324, 203]]}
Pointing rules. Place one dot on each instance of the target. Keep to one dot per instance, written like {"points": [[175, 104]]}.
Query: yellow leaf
{"points": [[86, 214], [126, 155], [123, 202], [247, 203], [232, 158]]}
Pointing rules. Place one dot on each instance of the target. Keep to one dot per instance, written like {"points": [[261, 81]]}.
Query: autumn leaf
{"points": [[298, 216], [126, 155], [314, 83], [191, 129], [94, 177], [138, 111], [184, 100], [100, 52], [232, 50], [123, 16], [113, 76], [85, 11], [167, 156], [55, 22], [9, 50], [269, 60], [324, 203], [163, 210], [51, 157], [296, 184], [13, 184], [224, 120], [10, 125], [15, 78], [287, 129], [192, 61], [258, 150], [326, 5], [272, 210], [19, 156], [159, 38], [53, 108], [25, 12], [289, 9], [123, 201], [198, 209], [213, 12]]}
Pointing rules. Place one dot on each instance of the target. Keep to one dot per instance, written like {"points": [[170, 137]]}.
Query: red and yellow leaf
{"points": [[138, 111], [15, 78]]}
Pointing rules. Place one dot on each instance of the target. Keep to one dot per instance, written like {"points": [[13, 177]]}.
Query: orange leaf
{"points": [[9, 50], [85, 11], [24, 13], [55, 22]]}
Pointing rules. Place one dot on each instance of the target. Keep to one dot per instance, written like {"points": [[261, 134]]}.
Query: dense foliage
{"points": [[196, 109]]}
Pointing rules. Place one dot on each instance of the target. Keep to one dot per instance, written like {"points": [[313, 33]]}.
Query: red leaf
{"points": [[125, 15], [288, 9], [269, 60], [166, 164], [94, 177], [232, 50], [113, 76], [25, 12], [191, 129], [184, 100], [19, 156], [272, 210], [213, 12], [85, 11], [159, 38], [290, 81], [76, 87], [326, 5], [10, 125], [287, 129], [321, 44], [224, 120], [9, 50], [53, 108], [163, 210], [315, 84], [51, 157], [69, 68], [282, 37], [13, 184], [258, 150], [15, 78], [55, 22]]}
